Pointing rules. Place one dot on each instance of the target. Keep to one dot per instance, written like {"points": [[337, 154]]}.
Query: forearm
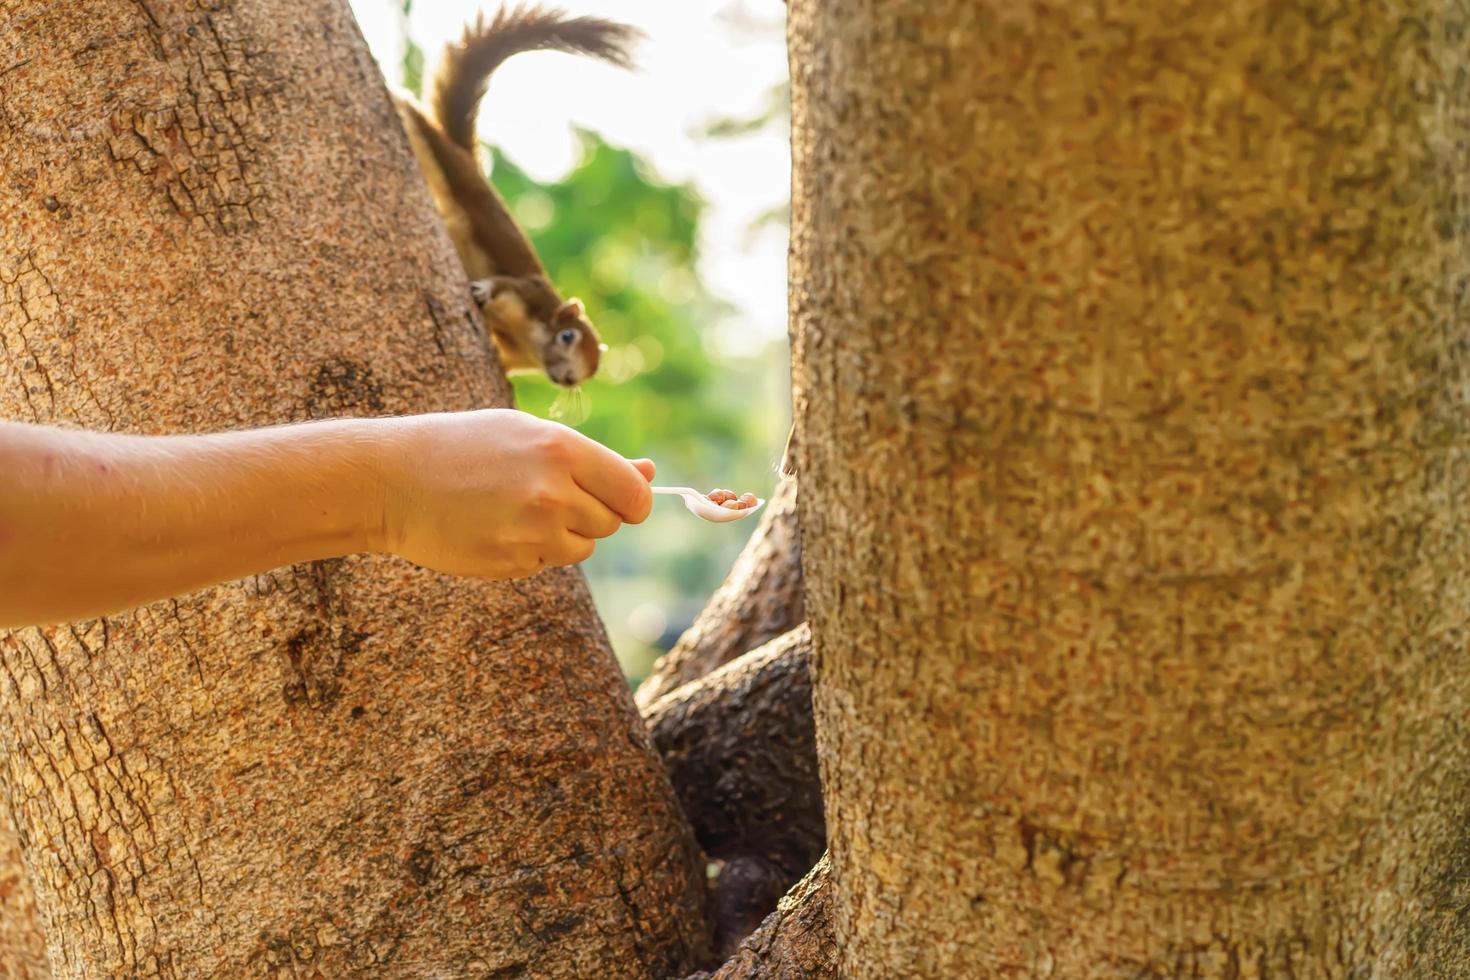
{"points": [[91, 523]]}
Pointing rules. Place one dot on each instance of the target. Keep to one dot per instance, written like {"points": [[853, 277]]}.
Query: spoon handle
{"points": [[677, 491]]}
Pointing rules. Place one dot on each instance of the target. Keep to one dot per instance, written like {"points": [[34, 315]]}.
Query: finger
{"points": [[613, 480], [570, 548], [591, 518], [646, 467]]}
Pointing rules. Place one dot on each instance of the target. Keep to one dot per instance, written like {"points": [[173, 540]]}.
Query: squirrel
{"points": [[532, 326]]}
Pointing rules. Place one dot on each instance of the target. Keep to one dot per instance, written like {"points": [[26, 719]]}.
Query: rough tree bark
{"points": [[22, 947], [1131, 348], [759, 600], [211, 219], [741, 752], [794, 943]]}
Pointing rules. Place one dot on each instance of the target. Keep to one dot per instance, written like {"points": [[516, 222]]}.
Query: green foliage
{"points": [[706, 411], [626, 243], [411, 66], [776, 113]]}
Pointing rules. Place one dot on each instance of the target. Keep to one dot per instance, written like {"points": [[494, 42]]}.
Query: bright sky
{"points": [[700, 62]]}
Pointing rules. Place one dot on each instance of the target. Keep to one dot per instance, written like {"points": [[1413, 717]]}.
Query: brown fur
{"points": [[459, 83], [494, 230], [521, 307]]}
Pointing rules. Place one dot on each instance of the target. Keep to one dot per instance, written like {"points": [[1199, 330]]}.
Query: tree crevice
{"points": [[795, 942], [740, 749]]}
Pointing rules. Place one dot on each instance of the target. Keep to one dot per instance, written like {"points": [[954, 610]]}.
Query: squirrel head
{"points": [[534, 329], [571, 350]]}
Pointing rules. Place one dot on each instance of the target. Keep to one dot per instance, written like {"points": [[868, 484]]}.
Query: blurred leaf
{"points": [[776, 112], [777, 217], [411, 66]]}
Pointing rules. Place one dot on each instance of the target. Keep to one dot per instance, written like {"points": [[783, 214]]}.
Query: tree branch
{"points": [[741, 751], [794, 943], [759, 600]]}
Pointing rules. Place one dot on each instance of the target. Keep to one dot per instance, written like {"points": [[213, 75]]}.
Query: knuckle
{"points": [[555, 445], [637, 506], [544, 499]]}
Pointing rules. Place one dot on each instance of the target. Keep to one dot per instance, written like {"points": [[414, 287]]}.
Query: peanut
{"points": [[729, 500]]}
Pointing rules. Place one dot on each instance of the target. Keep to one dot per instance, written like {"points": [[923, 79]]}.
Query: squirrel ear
{"points": [[573, 307]]}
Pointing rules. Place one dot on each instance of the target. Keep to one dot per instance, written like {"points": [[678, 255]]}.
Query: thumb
{"points": [[644, 466]]}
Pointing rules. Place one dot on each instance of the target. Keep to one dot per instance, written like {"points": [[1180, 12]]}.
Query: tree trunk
{"points": [[353, 767], [22, 947], [1131, 351], [760, 599]]}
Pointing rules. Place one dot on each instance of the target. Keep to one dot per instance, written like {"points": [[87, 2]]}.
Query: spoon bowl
{"points": [[701, 506]]}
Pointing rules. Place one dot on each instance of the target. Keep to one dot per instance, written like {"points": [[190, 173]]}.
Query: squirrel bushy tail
{"points": [[462, 75]]}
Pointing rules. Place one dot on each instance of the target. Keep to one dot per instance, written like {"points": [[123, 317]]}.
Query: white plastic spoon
{"points": [[701, 506]]}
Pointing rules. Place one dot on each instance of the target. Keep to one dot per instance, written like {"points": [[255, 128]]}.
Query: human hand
{"points": [[501, 494]]}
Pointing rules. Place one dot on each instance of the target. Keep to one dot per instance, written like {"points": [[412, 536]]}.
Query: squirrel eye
{"points": [[567, 337]]}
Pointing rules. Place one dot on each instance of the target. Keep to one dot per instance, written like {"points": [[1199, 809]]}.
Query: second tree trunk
{"points": [[1131, 363], [353, 767]]}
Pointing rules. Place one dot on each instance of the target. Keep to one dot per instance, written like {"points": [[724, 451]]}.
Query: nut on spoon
{"points": [[701, 506]]}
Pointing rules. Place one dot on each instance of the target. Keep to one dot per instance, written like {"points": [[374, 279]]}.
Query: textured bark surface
{"points": [[759, 600], [1154, 661], [795, 942], [22, 947], [212, 219]]}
